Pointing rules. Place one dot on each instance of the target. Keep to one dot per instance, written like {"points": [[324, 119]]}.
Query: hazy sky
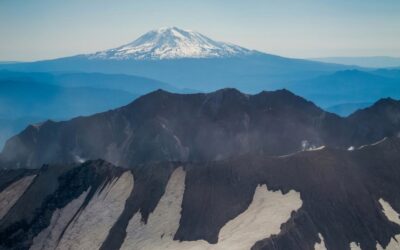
{"points": [[41, 29]]}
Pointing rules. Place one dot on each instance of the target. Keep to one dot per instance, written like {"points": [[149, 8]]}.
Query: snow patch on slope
{"points": [[390, 213], [355, 246], [321, 245], [171, 43], [393, 216], [91, 227], [163, 223], [393, 244], [10, 195], [262, 218], [49, 237]]}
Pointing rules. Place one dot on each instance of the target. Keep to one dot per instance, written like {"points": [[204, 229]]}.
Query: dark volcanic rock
{"points": [[162, 126], [340, 192], [376, 122], [53, 188], [12, 175]]}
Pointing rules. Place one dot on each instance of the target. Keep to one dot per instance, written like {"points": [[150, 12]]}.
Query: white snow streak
{"points": [[262, 218], [393, 216], [48, 238], [354, 246], [321, 245], [10, 195], [89, 230]]}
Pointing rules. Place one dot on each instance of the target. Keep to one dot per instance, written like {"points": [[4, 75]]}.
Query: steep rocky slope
{"points": [[163, 126], [326, 198]]}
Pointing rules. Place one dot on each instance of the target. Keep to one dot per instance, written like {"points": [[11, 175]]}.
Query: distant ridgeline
{"points": [[164, 126]]}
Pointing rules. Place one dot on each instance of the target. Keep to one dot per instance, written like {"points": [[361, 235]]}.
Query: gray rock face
{"points": [[53, 188], [325, 198], [162, 126]]}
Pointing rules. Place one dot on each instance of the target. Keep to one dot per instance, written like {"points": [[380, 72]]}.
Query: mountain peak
{"points": [[171, 43], [382, 104]]}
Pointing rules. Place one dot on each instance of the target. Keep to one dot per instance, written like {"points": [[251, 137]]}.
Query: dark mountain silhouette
{"points": [[163, 126], [28, 98], [380, 120], [24, 102], [13, 126]]}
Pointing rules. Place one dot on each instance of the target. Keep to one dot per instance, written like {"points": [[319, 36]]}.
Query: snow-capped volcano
{"points": [[171, 43]]}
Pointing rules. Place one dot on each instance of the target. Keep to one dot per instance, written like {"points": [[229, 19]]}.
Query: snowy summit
{"points": [[171, 43]]}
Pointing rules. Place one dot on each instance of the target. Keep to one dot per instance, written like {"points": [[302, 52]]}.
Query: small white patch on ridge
{"points": [[373, 144], [355, 246], [78, 159], [316, 148]]}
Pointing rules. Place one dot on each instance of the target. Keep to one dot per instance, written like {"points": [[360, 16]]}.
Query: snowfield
{"points": [[171, 43]]}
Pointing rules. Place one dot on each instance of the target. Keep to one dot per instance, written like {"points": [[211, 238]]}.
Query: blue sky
{"points": [[42, 29]]}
